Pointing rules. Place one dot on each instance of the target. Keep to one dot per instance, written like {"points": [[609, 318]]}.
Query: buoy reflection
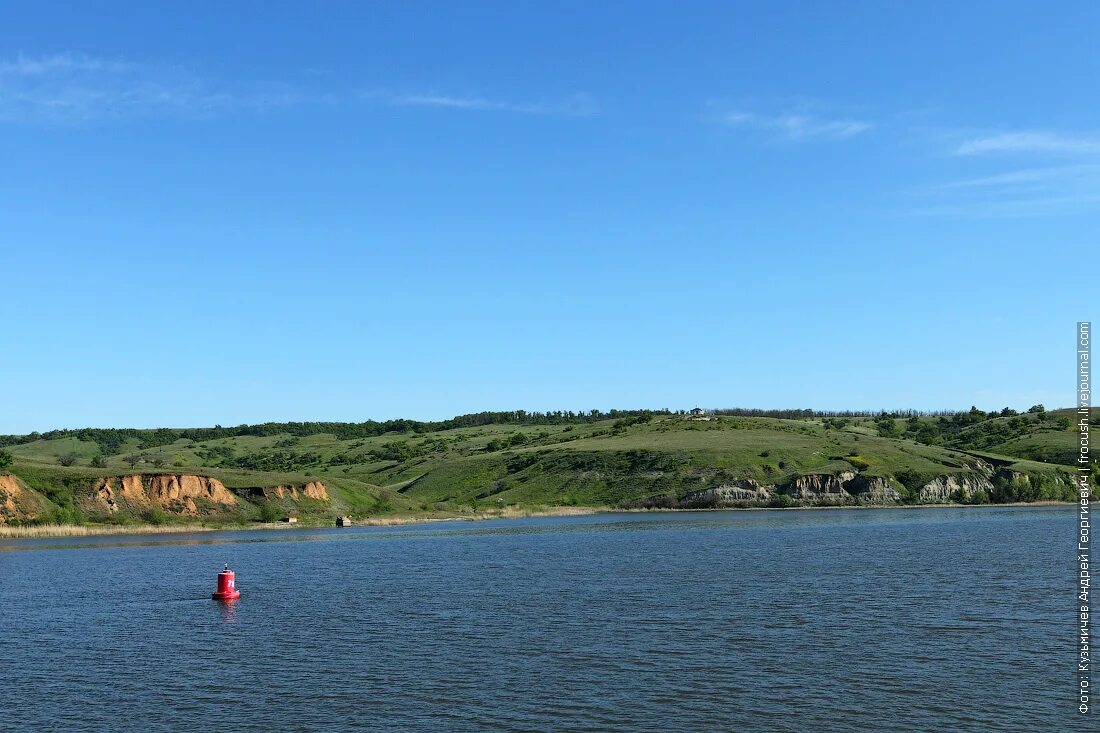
{"points": [[229, 611]]}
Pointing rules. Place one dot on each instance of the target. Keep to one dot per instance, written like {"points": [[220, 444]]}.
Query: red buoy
{"points": [[227, 586]]}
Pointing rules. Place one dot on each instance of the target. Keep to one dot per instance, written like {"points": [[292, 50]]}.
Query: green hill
{"points": [[516, 460], [1037, 435]]}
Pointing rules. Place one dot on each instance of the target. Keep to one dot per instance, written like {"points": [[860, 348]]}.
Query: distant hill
{"points": [[524, 460]]}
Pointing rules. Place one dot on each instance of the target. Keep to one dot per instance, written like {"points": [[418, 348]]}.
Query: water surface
{"points": [[887, 620]]}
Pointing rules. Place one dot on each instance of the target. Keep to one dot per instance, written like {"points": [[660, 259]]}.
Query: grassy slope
{"points": [[65, 487], [592, 464], [672, 456], [1045, 442], [1021, 436]]}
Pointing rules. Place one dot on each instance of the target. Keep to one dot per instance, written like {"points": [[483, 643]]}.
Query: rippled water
{"points": [[891, 620]]}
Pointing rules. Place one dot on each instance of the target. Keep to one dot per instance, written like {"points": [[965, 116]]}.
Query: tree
{"points": [[887, 428], [6, 459], [133, 459], [1036, 408], [67, 460]]}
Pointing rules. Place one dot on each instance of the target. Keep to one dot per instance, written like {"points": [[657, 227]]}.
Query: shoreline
{"points": [[105, 530], [45, 531], [852, 506]]}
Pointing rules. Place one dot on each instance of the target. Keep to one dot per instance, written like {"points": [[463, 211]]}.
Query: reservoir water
{"points": [[884, 620]]}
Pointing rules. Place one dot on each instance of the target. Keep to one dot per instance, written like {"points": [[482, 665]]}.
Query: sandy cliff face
{"points": [[315, 490], [17, 502], [10, 490], [814, 488], [873, 490], [172, 488], [820, 487], [188, 494], [312, 490], [841, 487], [280, 492], [944, 488], [173, 492], [742, 491]]}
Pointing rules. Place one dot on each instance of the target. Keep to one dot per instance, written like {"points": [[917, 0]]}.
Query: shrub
{"points": [[270, 511], [68, 459], [781, 501], [887, 428], [99, 462], [6, 459]]}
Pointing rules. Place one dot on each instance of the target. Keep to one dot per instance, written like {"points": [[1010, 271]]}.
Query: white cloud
{"points": [[576, 106], [1053, 189], [1027, 177], [73, 88], [1047, 191], [24, 66], [1030, 142], [76, 88], [798, 126]]}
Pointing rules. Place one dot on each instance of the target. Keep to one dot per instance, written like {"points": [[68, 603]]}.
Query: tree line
{"points": [[112, 440]]}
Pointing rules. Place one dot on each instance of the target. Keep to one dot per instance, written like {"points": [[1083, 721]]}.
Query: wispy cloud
{"points": [[76, 88], [1017, 193], [29, 66], [1061, 178], [1030, 142], [1010, 208], [1027, 178], [796, 126], [578, 105]]}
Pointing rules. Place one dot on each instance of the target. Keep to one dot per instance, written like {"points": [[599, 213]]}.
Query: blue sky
{"points": [[246, 212]]}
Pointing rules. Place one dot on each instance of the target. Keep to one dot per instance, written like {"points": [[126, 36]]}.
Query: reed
{"points": [[80, 530]]}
